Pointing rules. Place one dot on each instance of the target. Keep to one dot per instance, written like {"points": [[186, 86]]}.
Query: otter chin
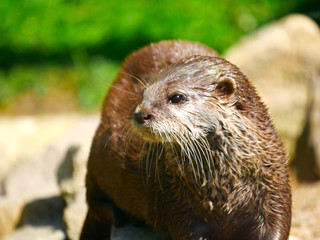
{"points": [[186, 146]]}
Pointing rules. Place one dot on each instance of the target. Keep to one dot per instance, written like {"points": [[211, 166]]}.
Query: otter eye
{"points": [[177, 98]]}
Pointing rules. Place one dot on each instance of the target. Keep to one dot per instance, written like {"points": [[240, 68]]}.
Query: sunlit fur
{"points": [[206, 165], [189, 129]]}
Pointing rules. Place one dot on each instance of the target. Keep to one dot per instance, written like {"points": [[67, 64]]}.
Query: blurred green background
{"points": [[60, 55]]}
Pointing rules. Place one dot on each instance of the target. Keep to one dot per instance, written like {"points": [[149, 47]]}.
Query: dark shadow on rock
{"points": [[49, 211], [305, 159], [133, 232], [44, 212], [66, 168], [2, 189], [65, 172]]}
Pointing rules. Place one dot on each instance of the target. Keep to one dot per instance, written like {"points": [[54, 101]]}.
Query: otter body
{"points": [[186, 145]]}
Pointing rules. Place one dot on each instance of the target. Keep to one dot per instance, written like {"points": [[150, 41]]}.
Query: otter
{"points": [[186, 146]]}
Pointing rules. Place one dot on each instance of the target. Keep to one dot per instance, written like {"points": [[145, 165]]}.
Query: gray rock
{"points": [[43, 212], [36, 233], [307, 155], [36, 179], [71, 178], [281, 59], [10, 211], [27, 182], [24, 137], [315, 121], [74, 215], [39, 174], [130, 232]]}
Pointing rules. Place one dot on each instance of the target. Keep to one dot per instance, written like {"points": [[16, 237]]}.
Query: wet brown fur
{"points": [[241, 191]]}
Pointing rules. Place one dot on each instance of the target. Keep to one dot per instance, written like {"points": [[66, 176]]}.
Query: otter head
{"points": [[185, 100]]}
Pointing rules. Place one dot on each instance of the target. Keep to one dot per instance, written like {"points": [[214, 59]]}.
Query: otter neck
{"points": [[217, 165]]}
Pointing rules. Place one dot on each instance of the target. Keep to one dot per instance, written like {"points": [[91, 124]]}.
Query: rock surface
{"points": [[129, 232], [281, 60], [306, 160], [71, 175], [10, 210], [29, 135], [306, 211], [315, 121], [39, 233], [34, 183]]}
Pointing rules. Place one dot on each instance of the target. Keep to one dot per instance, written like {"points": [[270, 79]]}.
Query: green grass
{"points": [[88, 81], [79, 44], [69, 25]]}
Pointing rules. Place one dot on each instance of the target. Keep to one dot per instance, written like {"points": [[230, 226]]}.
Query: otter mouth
{"points": [[152, 129], [146, 132], [151, 134], [142, 123]]}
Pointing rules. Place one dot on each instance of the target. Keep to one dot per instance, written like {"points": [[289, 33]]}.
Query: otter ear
{"points": [[226, 86]]}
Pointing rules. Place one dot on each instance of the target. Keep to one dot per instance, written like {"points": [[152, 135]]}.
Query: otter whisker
{"points": [[209, 159], [142, 81], [111, 85], [176, 152], [200, 156], [122, 90], [197, 157], [205, 148], [211, 163], [185, 150], [143, 158], [191, 153], [115, 132], [149, 160], [159, 154], [144, 161], [176, 156], [128, 135], [135, 98]]}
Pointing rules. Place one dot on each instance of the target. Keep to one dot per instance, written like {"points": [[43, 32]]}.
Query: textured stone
{"points": [[281, 59], [24, 137], [74, 215], [10, 211], [315, 121], [36, 233], [71, 175], [133, 233], [33, 183], [306, 160]]}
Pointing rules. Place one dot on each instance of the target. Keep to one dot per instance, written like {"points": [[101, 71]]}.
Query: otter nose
{"points": [[142, 117]]}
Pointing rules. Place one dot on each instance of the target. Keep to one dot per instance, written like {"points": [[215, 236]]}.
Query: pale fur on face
{"points": [[189, 124], [198, 115]]}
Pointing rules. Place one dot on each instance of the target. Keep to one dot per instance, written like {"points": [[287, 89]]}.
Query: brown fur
{"points": [[234, 184]]}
